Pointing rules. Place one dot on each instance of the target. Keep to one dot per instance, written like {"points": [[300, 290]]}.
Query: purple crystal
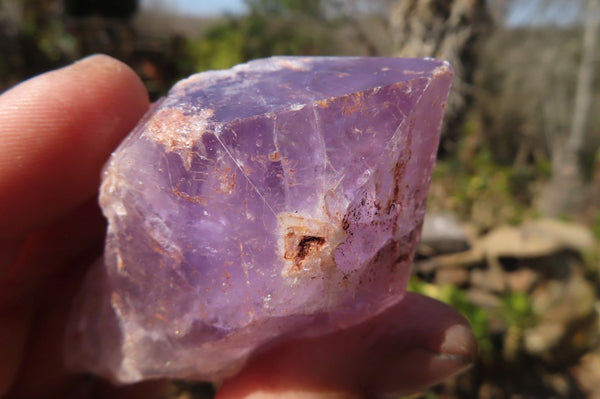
{"points": [[283, 197]]}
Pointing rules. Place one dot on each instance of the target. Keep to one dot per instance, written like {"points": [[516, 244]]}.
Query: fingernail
{"points": [[426, 364], [458, 345]]}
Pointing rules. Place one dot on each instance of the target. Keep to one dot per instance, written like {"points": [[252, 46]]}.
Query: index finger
{"points": [[56, 131]]}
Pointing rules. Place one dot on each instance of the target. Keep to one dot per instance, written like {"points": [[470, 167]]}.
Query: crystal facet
{"points": [[283, 197]]}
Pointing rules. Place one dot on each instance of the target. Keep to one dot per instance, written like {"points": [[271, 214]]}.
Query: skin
{"points": [[56, 131]]}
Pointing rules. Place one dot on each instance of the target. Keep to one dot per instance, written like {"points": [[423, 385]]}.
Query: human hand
{"points": [[56, 131]]}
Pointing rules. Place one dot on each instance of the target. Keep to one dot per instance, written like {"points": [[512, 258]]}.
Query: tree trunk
{"points": [[445, 29], [565, 191]]}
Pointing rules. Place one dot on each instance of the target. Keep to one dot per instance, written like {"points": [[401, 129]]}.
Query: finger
{"points": [[42, 372], [56, 131], [48, 250], [14, 327], [414, 344], [41, 283]]}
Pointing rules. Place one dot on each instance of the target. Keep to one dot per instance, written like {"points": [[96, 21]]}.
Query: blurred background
{"points": [[512, 233]]}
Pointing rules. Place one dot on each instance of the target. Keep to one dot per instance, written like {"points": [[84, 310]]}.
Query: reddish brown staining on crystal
{"points": [[290, 245], [444, 69], [227, 181], [403, 258], [378, 207], [264, 160], [349, 111], [227, 281], [175, 130], [292, 64], [291, 177], [409, 135], [193, 199], [415, 234], [345, 223], [289, 169], [172, 252], [203, 311], [164, 125], [357, 104], [398, 174], [160, 317], [323, 103], [178, 131], [117, 303], [308, 245], [346, 220], [120, 263], [274, 156], [399, 171], [302, 250]]}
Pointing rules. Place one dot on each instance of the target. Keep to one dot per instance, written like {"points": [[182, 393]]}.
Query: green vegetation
{"points": [[220, 48], [487, 193], [271, 27], [516, 310], [596, 225]]}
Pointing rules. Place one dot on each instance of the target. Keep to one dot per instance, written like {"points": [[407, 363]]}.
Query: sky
{"points": [[540, 12], [197, 7], [522, 12]]}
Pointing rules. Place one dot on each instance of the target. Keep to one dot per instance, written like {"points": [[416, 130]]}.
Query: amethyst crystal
{"points": [[283, 197]]}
